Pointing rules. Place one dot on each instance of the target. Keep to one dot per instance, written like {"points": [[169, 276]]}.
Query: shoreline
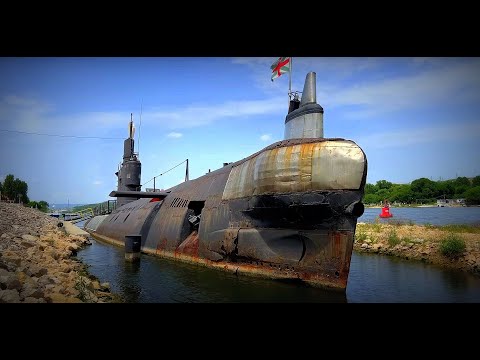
{"points": [[38, 263], [420, 242]]}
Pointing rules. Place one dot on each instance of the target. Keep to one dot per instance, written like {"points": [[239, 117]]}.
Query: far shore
{"points": [[418, 206]]}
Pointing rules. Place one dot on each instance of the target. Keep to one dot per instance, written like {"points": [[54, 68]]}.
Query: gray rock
{"points": [[36, 271], [27, 244], [9, 296], [45, 280], [34, 300], [4, 272], [30, 290], [30, 237]]}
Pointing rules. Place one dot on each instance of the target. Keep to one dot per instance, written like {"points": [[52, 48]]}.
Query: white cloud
{"points": [[97, 182], [348, 82], [198, 115], [459, 131], [175, 135], [266, 137]]}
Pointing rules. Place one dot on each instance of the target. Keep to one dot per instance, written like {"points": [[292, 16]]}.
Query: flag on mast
{"points": [[279, 67]]}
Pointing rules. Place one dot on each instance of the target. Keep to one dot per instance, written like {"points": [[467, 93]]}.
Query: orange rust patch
{"points": [[189, 246]]}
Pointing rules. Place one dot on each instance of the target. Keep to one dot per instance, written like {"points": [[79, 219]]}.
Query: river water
{"points": [[373, 278]]}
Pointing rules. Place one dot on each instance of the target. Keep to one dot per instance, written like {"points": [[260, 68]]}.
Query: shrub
{"points": [[360, 236], [393, 238], [452, 245]]}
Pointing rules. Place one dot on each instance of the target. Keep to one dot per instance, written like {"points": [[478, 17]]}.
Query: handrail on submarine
{"points": [[140, 194]]}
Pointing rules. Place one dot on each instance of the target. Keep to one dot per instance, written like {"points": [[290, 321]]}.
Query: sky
{"points": [[63, 120]]}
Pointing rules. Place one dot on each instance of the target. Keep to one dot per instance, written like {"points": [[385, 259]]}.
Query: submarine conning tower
{"points": [[305, 117], [130, 170]]}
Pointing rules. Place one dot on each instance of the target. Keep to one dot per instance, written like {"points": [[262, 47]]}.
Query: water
{"points": [[427, 215], [372, 279]]}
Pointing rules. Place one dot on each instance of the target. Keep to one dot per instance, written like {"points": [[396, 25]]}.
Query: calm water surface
{"points": [[427, 215], [372, 279]]}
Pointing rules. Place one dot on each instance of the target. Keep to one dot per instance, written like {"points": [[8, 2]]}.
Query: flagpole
{"points": [[290, 80]]}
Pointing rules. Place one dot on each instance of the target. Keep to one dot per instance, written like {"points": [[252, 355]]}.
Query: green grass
{"points": [[393, 238], [461, 228], [377, 227], [360, 236], [452, 245], [399, 222]]}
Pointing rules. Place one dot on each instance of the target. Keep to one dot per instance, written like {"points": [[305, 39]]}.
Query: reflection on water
{"points": [[383, 279], [166, 281], [372, 279]]}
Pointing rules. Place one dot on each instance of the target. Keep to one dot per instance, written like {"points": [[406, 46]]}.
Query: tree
{"points": [[20, 191], [43, 206], [384, 184], [462, 181], [445, 189], [476, 181], [8, 187], [401, 193], [472, 196]]}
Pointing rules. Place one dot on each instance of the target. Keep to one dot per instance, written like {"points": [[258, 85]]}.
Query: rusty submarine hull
{"points": [[288, 211]]}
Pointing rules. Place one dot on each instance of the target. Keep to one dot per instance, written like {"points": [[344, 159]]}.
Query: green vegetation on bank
{"points": [[424, 191], [15, 190], [452, 245]]}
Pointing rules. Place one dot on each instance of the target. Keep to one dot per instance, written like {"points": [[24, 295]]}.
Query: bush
{"points": [[393, 238], [360, 236], [452, 246]]}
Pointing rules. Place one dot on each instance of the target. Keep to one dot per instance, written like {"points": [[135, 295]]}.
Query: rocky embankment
{"points": [[420, 242], [38, 264]]}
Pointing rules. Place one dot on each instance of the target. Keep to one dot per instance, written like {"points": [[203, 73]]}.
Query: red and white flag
{"points": [[281, 66]]}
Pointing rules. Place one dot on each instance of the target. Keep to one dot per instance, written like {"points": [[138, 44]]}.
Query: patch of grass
{"points": [[407, 239], [81, 286], [393, 238], [360, 236], [399, 222], [452, 246], [460, 228], [429, 226], [376, 226]]}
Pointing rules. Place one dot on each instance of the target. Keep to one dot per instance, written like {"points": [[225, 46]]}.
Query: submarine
{"points": [[287, 212]]}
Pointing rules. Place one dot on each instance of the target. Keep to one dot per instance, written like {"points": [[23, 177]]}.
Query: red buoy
{"points": [[385, 212]]}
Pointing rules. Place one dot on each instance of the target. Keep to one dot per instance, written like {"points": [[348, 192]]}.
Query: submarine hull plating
{"points": [[288, 211]]}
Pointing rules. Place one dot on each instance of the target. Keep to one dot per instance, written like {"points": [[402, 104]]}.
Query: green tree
{"points": [[445, 189], [383, 184], [8, 187], [476, 181], [472, 196], [401, 193], [424, 188], [43, 206], [372, 199], [462, 181], [20, 191], [370, 189]]}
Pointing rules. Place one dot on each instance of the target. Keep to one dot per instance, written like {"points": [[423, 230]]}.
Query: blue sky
{"points": [[413, 117]]}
